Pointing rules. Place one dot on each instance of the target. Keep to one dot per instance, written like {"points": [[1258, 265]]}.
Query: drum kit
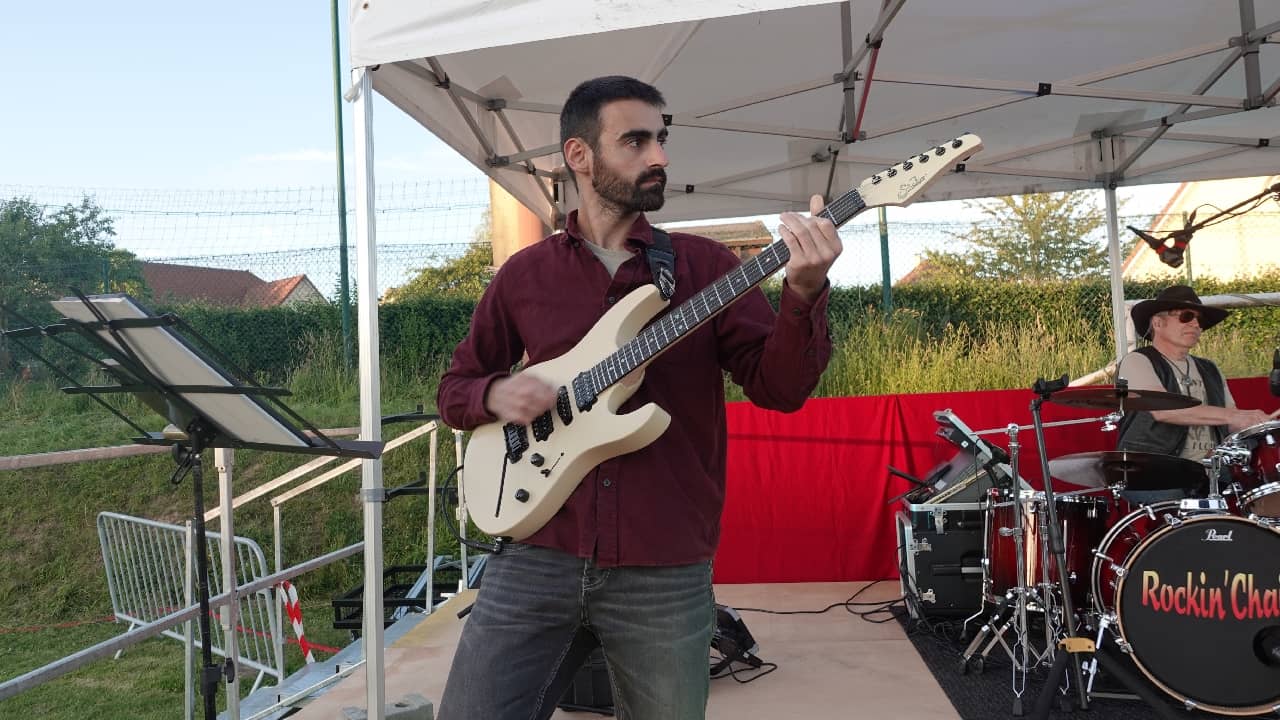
{"points": [[1171, 562]]}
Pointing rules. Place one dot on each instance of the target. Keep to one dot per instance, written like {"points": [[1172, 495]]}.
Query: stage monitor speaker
{"points": [[940, 551]]}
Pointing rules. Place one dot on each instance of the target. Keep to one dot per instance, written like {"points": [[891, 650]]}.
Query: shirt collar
{"points": [[641, 232]]}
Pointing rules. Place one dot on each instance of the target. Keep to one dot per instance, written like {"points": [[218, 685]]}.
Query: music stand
{"points": [[205, 406]]}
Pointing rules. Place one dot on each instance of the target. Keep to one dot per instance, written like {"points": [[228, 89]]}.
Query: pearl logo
{"points": [[1212, 535]]}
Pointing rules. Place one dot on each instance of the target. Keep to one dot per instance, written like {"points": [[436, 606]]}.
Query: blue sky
{"points": [[152, 94], [220, 95]]}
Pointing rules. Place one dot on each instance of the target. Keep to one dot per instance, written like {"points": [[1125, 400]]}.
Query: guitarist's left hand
{"points": [[814, 245]]}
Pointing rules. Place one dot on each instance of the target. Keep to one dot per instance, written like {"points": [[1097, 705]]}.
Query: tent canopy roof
{"points": [[1065, 95]]}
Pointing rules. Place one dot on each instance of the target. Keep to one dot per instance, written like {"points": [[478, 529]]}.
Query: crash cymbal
{"points": [[1109, 398], [1082, 470], [1130, 470]]}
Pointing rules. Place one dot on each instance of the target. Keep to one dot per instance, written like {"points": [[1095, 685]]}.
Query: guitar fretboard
{"points": [[690, 314]]}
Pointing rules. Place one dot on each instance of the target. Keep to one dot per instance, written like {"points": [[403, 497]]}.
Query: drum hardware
{"points": [[1011, 612], [1047, 391]]}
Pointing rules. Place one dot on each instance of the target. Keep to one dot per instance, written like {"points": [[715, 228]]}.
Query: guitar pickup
{"points": [[517, 440], [564, 408], [542, 426], [583, 390]]}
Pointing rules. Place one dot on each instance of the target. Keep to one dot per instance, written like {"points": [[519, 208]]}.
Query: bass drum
{"points": [[1198, 603]]}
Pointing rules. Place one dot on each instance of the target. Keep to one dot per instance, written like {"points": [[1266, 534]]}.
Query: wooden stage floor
{"points": [[833, 665]]}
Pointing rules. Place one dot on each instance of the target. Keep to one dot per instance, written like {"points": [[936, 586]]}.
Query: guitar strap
{"points": [[662, 263]]}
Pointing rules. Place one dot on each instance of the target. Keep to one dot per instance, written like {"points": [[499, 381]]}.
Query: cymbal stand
{"points": [[1043, 390], [1108, 424], [1011, 610]]}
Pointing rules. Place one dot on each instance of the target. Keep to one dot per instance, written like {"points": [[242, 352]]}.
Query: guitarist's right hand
{"points": [[519, 399]]}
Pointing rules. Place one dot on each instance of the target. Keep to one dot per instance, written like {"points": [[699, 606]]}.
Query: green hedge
{"points": [[268, 342], [416, 334]]}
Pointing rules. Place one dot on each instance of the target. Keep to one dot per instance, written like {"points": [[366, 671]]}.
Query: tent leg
{"points": [[1117, 281], [370, 391]]}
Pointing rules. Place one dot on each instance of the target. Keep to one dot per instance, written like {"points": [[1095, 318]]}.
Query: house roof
{"points": [[216, 286], [271, 294], [1232, 245], [732, 233]]}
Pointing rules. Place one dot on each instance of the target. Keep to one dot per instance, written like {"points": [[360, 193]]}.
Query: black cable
{"points": [[724, 669], [846, 604], [493, 547]]}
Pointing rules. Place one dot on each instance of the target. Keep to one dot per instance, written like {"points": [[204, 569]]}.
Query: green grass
{"points": [[50, 563]]}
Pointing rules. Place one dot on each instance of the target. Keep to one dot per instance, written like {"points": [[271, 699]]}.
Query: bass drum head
{"points": [[1195, 602]]}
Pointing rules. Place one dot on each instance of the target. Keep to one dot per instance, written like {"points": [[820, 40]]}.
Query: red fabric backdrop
{"points": [[808, 491]]}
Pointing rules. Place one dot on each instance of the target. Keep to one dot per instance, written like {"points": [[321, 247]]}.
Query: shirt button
{"points": [[613, 299], [606, 482], [797, 312]]}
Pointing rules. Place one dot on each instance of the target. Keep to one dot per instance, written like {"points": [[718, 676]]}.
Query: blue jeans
{"points": [[539, 610]]}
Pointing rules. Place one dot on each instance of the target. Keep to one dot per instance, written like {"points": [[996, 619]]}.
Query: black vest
{"points": [[1141, 432]]}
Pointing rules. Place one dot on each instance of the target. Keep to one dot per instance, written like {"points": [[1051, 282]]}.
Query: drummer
{"points": [[1172, 322]]}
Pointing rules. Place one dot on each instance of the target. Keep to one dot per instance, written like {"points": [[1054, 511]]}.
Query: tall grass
{"points": [[878, 356]]}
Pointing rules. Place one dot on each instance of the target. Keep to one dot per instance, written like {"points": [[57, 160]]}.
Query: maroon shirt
{"points": [[659, 505]]}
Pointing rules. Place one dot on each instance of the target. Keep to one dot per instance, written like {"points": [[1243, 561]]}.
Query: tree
{"points": [[465, 276], [46, 254], [1029, 238]]}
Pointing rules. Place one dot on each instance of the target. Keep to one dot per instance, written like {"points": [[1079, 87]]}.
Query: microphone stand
{"points": [[1172, 255], [1072, 645]]}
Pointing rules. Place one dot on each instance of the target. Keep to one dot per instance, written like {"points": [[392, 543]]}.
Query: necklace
{"points": [[1184, 375]]}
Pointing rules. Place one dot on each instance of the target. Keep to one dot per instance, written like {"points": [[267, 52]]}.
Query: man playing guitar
{"points": [[625, 563]]}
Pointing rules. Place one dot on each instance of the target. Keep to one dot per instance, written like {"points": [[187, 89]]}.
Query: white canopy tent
{"points": [[765, 96]]}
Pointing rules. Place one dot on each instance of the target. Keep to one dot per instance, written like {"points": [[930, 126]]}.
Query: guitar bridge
{"points": [[517, 439]]}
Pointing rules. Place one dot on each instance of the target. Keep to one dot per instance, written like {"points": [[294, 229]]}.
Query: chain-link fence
{"points": [[258, 272]]}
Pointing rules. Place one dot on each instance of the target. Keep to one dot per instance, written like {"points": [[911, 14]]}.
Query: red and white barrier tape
{"points": [[293, 609]]}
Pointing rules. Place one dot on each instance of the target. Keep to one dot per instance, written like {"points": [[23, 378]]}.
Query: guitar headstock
{"points": [[902, 183]]}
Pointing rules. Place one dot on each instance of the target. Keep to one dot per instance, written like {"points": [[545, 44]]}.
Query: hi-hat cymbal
{"points": [[1109, 398], [1130, 470]]}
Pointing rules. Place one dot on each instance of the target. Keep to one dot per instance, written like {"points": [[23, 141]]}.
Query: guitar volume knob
{"points": [[536, 460], [522, 495]]}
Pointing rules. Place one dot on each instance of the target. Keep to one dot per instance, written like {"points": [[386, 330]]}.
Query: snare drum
{"points": [[1082, 520], [1198, 603], [1256, 482]]}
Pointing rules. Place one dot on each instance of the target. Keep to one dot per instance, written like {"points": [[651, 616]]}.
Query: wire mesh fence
{"points": [[258, 271]]}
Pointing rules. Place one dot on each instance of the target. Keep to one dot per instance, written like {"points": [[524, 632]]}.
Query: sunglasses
{"points": [[1185, 316]]}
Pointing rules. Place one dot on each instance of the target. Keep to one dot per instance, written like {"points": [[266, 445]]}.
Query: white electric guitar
{"points": [[516, 477]]}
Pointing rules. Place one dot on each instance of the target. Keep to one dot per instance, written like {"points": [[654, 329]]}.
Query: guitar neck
{"points": [[708, 303]]}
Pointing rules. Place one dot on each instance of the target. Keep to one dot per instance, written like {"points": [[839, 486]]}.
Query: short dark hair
{"points": [[580, 116]]}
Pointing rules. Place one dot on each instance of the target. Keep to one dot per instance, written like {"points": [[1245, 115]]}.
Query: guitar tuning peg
{"points": [[924, 158], [892, 172], [939, 151], [907, 165], [875, 179], [957, 143]]}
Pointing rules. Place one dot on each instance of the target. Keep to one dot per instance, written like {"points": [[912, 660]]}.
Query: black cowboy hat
{"points": [[1176, 297]]}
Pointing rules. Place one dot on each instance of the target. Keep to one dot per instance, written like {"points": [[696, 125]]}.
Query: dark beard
{"points": [[628, 197]]}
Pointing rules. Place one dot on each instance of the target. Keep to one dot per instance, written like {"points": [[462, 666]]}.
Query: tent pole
{"points": [[370, 391], [1117, 282]]}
